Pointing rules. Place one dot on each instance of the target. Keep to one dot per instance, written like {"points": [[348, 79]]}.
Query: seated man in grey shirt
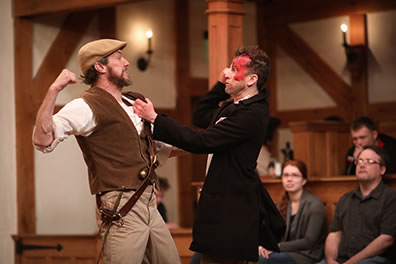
{"points": [[363, 229]]}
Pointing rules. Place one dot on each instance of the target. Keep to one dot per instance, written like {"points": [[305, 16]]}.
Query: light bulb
{"points": [[149, 34], [344, 28]]}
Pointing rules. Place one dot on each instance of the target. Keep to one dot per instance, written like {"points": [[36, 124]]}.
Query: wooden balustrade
{"points": [[322, 145]]}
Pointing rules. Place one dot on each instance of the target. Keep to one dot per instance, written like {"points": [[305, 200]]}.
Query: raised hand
{"points": [[65, 78], [145, 110]]}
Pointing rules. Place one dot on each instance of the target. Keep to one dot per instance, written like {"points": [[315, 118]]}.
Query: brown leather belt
{"points": [[108, 216]]}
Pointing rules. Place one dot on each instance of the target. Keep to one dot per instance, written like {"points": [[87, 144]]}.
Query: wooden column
{"points": [[265, 40], [322, 145], [183, 109], [357, 63], [24, 116], [225, 22]]}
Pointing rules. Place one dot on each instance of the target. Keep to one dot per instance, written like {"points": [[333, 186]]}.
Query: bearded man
{"points": [[118, 150]]}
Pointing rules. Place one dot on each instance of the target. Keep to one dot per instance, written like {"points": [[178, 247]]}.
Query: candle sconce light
{"points": [[142, 62], [354, 53]]}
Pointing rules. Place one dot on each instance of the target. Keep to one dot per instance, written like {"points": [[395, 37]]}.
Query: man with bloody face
{"points": [[226, 227]]}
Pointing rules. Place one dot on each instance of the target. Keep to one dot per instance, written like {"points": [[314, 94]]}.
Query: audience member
{"points": [[364, 133], [363, 229], [163, 187], [265, 157], [305, 220]]}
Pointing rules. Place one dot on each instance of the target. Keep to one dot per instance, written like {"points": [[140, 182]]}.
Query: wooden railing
{"points": [[328, 189]]}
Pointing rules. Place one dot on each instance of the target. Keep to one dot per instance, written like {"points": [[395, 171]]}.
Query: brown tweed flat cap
{"points": [[95, 50]]}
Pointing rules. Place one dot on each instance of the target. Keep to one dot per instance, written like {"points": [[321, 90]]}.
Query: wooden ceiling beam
{"points": [[310, 114], [59, 53], [315, 66], [291, 11], [41, 7]]}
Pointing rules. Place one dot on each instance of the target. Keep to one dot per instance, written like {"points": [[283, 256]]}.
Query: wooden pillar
{"points": [[357, 63], [183, 110], [225, 22], [265, 39], [24, 116]]}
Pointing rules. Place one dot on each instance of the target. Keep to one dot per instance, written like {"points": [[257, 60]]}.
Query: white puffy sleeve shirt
{"points": [[76, 118]]}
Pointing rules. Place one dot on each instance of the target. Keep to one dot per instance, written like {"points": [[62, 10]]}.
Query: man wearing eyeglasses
{"points": [[364, 133], [363, 229]]}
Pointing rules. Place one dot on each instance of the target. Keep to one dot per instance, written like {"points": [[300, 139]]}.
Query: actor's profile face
{"points": [[239, 67], [117, 69], [368, 167], [235, 75], [292, 179], [364, 137]]}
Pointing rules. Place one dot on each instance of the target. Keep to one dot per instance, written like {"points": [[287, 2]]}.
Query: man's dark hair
{"points": [[259, 63], [362, 121], [92, 74], [381, 152], [163, 184]]}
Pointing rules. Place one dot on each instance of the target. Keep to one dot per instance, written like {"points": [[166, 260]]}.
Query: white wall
{"points": [[382, 58], [8, 222], [158, 81]]}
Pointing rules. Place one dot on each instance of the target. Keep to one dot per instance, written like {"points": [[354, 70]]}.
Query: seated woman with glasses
{"points": [[305, 220]]}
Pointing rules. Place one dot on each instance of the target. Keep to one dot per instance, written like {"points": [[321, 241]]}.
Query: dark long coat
{"points": [[227, 216]]}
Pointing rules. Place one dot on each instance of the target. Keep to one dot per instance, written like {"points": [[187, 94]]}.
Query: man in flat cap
{"points": [[118, 150]]}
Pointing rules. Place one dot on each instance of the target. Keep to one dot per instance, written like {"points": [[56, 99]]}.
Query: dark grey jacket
{"points": [[306, 234]]}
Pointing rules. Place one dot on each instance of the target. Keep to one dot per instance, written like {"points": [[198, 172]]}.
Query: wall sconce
{"points": [[355, 53], [143, 63], [344, 29], [352, 56]]}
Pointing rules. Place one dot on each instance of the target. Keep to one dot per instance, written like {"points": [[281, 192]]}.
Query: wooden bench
{"points": [[328, 189]]}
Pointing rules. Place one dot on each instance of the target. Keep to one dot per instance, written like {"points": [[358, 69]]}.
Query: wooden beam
{"points": [[59, 53], [24, 117], [264, 40], [107, 22], [291, 11], [183, 106], [310, 114], [382, 111], [315, 66], [198, 86], [358, 65], [41, 7]]}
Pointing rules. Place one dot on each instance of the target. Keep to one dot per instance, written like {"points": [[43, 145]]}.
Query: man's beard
{"points": [[118, 81]]}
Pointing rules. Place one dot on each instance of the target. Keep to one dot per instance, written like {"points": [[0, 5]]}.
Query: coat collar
{"points": [[261, 96]]}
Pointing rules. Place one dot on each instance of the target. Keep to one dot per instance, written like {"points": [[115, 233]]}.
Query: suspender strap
{"points": [[131, 202]]}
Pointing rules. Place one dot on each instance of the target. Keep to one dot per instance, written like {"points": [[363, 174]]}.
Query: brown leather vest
{"points": [[114, 153]]}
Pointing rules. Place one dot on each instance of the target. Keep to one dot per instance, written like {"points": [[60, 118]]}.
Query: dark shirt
{"points": [[363, 219], [384, 141], [162, 210], [291, 221]]}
